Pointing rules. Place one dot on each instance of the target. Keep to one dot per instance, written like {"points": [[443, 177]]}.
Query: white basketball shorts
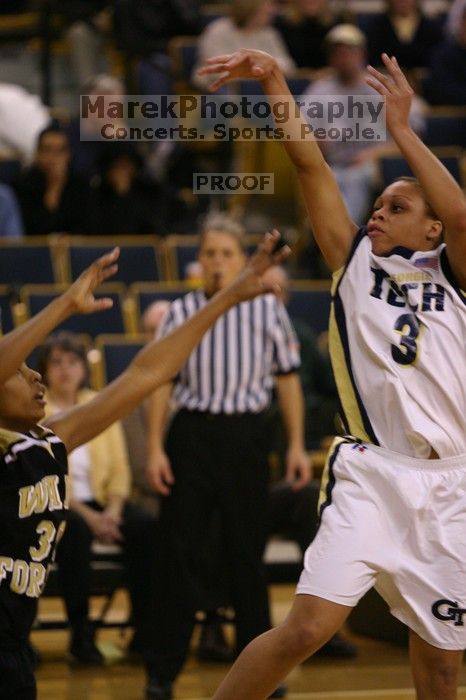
{"points": [[399, 524]]}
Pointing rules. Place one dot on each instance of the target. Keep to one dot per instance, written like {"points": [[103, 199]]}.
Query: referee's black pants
{"points": [[218, 461]]}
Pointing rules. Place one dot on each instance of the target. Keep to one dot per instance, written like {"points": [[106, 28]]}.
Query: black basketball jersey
{"points": [[33, 504]]}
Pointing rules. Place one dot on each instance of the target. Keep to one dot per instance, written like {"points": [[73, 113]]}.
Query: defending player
{"points": [[33, 481], [393, 511]]}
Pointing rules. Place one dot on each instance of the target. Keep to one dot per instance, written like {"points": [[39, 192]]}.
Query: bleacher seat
{"points": [[297, 85], [27, 262], [392, 167], [140, 259], [446, 128], [6, 316], [144, 293], [36, 297], [310, 301], [117, 351]]}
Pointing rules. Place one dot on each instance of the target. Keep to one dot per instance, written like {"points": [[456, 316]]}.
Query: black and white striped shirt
{"points": [[232, 369]]}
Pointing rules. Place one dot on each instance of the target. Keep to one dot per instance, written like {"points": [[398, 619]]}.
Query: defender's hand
{"points": [[249, 283], [81, 293]]}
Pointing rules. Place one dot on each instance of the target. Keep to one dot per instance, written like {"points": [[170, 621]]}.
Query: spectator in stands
{"points": [[22, 118], [248, 26], [447, 80], [52, 198], [90, 24], [11, 223], [303, 26], [353, 162], [99, 508], [124, 202], [215, 455], [86, 145], [144, 28], [405, 32]]}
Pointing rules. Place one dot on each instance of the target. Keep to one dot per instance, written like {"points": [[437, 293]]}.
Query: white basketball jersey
{"points": [[398, 347]]}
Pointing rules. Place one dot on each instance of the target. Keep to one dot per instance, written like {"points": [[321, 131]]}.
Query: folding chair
{"points": [[116, 352], [392, 167], [6, 316], [27, 262], [36, 297], [310, 301], [140, 257]]}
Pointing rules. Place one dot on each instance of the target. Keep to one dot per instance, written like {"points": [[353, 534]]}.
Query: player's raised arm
{"points": [[160, 360], [442, 191], [330, 220], [79, 298]]}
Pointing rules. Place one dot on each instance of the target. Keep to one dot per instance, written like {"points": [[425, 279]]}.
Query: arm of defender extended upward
{"points": [[160, 360], [441, 190], [79, 298], [331, 224]]}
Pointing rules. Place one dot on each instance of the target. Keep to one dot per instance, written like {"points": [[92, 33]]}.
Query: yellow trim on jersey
{"points": [[344, 384], [326, 472], [7, 439]]}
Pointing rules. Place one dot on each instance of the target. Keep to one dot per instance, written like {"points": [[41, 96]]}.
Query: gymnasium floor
{"points": [[380, 672]]}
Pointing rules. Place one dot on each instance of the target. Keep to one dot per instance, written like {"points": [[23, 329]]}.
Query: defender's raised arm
{"points": [[79, 298], [159, 361]]}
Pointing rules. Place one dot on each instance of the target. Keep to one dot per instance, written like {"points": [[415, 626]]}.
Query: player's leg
{"points": [[266, 661], [435, 671]]}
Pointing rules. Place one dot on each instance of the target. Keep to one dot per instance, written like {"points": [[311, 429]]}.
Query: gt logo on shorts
{"points": [[448, 610]]}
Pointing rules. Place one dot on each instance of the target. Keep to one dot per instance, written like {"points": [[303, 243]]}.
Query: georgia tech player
{"points": [[33, 464], [393, 506]]}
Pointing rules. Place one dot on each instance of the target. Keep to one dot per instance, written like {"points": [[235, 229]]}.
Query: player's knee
{"points": [[305, 637]]}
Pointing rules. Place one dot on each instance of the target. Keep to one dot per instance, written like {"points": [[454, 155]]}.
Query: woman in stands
{"points": [[393, 513], [34, 487], [99, 509]]}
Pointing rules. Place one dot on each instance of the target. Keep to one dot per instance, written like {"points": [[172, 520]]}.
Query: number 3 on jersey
{"points": [[405, 353]]}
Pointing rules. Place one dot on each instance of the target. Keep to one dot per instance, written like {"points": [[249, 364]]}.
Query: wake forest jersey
{"points": [[33, 502], [397, 340]]}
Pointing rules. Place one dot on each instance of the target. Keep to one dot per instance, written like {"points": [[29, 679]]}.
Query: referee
{"points": [[215, 455]]}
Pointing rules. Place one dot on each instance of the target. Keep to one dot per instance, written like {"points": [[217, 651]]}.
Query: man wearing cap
{"points": [[353, 162]]}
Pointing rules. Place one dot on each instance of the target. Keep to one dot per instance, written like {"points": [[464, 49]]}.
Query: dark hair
{"points": [[51, 129], [66, 342]]}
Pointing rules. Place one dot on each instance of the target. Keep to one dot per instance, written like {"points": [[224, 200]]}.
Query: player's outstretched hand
{"points": [[81, 293], [395, 88], [242, 65], [249, 283]]}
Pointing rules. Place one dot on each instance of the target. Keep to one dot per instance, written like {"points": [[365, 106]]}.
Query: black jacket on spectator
{"points": [[447, 81], [381, 36], [71, 215], [145, 26], [131, 213], [305, 40]]}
